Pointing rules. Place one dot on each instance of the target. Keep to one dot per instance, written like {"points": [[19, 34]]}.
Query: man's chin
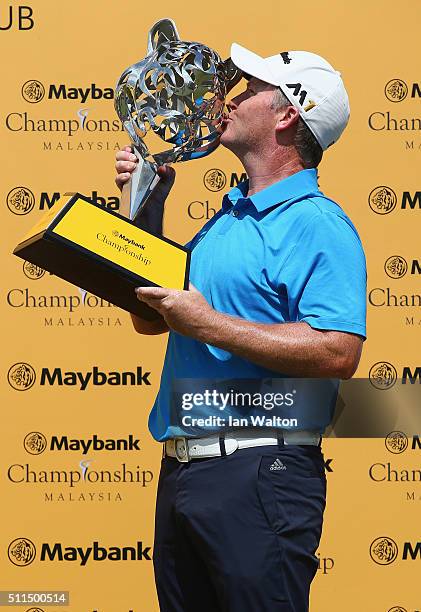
{"points": [[225, 140]]}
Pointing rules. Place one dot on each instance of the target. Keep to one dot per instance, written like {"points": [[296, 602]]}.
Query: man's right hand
{"points": [[126, 162]]}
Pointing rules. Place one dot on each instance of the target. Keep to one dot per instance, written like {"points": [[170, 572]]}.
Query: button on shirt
{"points": [[285, 254]]}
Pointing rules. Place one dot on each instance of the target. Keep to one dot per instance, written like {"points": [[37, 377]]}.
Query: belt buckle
{"points": [[183, 456]]}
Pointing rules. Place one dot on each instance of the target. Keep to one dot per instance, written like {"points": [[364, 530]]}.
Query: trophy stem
{"points": [[139, 187]]}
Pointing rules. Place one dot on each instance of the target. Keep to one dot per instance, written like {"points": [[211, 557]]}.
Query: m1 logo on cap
{"points": [[303, 94]]}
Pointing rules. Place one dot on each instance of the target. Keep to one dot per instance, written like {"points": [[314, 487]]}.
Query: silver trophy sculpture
{"points": [[175, 95]]}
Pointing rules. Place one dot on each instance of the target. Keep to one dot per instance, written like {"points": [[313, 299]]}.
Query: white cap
{"points": [[309, 82]]}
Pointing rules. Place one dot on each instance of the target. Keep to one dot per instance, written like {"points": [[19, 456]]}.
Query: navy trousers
{"points": [[239, 533]]}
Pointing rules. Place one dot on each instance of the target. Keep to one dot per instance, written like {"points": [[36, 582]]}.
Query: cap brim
{"points": [[251, 63]]}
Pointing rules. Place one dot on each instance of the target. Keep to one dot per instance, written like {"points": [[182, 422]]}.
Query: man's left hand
{"points": [[186, 312]]}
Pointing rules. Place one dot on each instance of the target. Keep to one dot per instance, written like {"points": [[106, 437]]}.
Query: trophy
{"points": [[175, 96]]}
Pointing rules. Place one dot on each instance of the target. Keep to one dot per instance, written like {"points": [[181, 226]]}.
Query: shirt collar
{"points": [[298, 184]]}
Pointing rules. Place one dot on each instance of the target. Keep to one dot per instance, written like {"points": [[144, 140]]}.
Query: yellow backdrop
{"points": [[57, 140]]}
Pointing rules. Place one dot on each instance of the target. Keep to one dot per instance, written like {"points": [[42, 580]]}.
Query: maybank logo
{"points": [[22, 200], [384, 551], [215, 179], [383, 375], [130, 241], [396, 442], [384, 200], [33, 91], [397, 267], [23, 552], [32, 271], [396, 90], [21, 377], [36, 443]]}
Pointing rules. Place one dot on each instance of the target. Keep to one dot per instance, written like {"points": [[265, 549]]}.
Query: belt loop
{"points": [[280, 437], [222, 446]]}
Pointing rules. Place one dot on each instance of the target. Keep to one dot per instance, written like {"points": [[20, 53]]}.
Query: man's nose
{"points": [[231, 105]]}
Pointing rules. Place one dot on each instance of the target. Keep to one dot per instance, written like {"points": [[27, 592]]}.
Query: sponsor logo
{"points": [[130, 241], [396, 266], [76, 129], [32, 271], [382, 200], [383, 375], [397, 609], [33, 91], [21, 552], [84, 482], [215, 179], [396, 90], [61, 305], [298, 91], [23, 473], [17, 18], [21, 376], [285, 57], [20, 200], [36, 443], [383, 550], [396, 442], [277, 465]]}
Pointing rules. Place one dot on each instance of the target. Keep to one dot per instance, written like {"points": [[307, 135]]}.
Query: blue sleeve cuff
{"points": [[330, 324]]}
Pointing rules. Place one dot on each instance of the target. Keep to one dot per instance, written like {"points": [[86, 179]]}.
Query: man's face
{"points": [[251, 120]]}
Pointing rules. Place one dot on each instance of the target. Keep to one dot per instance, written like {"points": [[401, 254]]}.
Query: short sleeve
{"points": [[325, 276]]}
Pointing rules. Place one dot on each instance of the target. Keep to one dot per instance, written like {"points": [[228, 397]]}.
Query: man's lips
{"points": [[226, 120]]}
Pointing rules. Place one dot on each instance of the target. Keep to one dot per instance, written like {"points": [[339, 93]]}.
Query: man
{"points": [[278, 284]]}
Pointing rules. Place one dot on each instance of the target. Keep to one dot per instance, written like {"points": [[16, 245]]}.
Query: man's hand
{"points": [[186, 312], [295, 349], [126, 163]]}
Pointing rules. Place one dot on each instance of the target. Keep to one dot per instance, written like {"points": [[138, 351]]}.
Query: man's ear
{"points": [[287, 117]]}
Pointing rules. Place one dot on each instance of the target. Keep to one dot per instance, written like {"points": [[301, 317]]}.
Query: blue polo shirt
{"points": [[285, 254]]}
